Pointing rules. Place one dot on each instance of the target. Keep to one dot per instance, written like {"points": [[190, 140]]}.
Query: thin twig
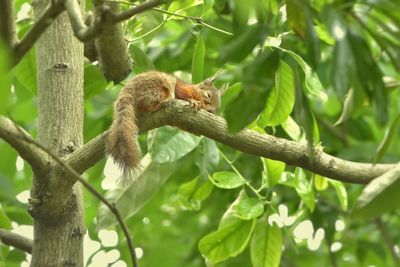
{"points": [[106, 17], [45, 20], [241, 176], [388, 241], [16, 240], [92, 190], [193, 19], [7, 23]]}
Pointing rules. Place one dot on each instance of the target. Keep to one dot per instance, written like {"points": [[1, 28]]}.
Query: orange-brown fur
{"points": [[145, 93]]}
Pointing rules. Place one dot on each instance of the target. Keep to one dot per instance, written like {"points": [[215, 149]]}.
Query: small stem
{"points": [[388, 240], [196, 20], [241, 176]]}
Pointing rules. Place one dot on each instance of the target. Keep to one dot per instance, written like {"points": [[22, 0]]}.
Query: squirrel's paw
{"points": [[195, 104]]}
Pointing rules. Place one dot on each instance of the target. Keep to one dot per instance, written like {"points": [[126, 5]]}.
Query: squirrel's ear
{"points": [[210, 81]]}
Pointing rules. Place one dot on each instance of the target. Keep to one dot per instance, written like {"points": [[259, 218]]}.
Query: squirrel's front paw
{"points": [[195, 104]]}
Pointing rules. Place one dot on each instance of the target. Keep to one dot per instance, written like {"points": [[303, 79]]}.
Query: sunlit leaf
{"points": [[272, 171], [304, 188], [226, 242], [248, 208], [227, 180], [171, 144], [320, 182], [192, 193], [266, 245], [281, 99], [198, 60], [341, 193]]}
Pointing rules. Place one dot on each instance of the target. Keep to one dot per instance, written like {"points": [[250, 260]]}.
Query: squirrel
{"points": [[147, 92]]}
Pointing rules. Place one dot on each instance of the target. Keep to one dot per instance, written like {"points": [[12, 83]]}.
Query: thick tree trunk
{"points": [[58, 233]]}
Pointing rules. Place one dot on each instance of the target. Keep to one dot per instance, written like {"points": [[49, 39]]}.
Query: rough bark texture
{"points": [[58, 219]]}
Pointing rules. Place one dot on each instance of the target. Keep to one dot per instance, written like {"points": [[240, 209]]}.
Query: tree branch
{"points": [[74, 175], [51, 12], [17, 137], [105, 18], [178, 113], [7, 24], [16, 240]]}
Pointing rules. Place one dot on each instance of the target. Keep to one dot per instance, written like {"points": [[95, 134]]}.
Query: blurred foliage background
{"points": [[325, 72]]}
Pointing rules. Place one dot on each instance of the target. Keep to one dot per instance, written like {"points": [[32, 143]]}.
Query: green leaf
{"points": [[207, 4], [281, 99], [198, 60], [25, 71], [272, 171], [266, 245], [5, 222], [192, 193], [292, 128], [171, 144], [299, 18], [243, 44], [227, 180], [369, 75], [141, 62], [390, 135], [304, 188], [341, 68], [131, 199], [208, 156], [348, 107], [313, 87], [258, 79], [230, 94], [340, 192], [379, 196], [228, 241], [320, 182], [93, 82], [248, 208]]}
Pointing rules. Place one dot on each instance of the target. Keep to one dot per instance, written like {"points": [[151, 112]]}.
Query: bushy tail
{"points": [[121, 142]]}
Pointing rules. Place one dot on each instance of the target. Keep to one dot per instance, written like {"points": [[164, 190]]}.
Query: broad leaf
{"points": [[131, 199], [272, 171], [228, 241], [141, 62], [227, 180], [93, 82], [341, 192], [266, 245], [281, 99], [192, 193], [248, 208], [198, 60], [379, 196], [171, 144]]}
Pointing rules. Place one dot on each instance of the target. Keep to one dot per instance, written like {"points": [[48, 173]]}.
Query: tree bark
{"points": [[59, 230]]}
